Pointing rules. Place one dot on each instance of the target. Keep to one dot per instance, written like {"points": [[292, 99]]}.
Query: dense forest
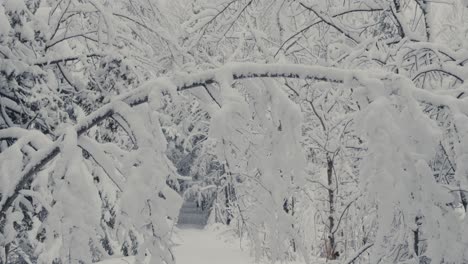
{"points": [[321, 131]]}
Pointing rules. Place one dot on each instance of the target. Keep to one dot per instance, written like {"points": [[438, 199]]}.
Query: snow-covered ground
{"points": [[212, 245], [209, 246], [195, 245]]}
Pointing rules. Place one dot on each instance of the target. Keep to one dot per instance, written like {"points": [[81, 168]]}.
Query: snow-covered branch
{"points": [[238, 71]]}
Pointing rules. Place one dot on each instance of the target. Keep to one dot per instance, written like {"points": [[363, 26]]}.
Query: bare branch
{"points": [[322, 21], [358, 254], [83, 35]]}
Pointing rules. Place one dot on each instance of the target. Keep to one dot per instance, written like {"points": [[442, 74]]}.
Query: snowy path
{"points": [[195, 245], [190, 214], [208, 246]]}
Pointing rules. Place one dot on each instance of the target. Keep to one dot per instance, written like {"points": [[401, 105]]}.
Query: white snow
{"points": [[208, 247], [4, 23], [212, 245]]}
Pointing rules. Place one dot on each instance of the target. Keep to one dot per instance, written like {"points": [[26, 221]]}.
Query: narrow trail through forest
{"points": [[208, 246], [197, 245]]}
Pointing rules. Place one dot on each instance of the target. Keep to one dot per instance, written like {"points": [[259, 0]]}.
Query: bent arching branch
{"points": [[238, 72], [444, 70]]}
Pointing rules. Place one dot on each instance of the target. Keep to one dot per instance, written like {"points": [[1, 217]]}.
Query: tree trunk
{"points": [[464, 200], [416, 235], [331, 218]]}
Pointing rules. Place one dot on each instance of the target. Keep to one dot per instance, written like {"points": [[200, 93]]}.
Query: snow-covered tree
{"points": [[349, 125]]}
